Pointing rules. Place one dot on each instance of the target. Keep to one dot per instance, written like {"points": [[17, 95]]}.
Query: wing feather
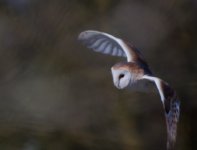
{"points": [[108, 49], [96, 43], [107, 44], [171, 106]]}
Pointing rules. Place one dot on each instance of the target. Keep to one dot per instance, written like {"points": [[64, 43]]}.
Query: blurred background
{"points": [[57, 94]]}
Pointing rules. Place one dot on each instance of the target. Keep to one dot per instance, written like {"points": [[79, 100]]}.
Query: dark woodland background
{"points": [[57, 94]]}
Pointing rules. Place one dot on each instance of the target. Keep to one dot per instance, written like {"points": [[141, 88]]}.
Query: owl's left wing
{"points": [[108, 44], [171, 105]]}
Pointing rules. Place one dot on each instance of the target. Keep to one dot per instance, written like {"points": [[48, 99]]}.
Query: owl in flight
{"points": [[134, 72]]}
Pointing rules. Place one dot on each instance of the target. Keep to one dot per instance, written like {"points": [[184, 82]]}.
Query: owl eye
{"points": [[121, 76]]}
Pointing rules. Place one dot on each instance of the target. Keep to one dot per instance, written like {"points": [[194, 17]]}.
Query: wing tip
{"points": [[82, 35], [86, 34], [172, 119]]}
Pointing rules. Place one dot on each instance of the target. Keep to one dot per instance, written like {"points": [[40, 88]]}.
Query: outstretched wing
{"points": [[171, 105], [108, 44]]}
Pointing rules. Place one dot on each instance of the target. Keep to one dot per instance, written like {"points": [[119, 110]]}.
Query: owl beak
{"points": [[117, 84]]}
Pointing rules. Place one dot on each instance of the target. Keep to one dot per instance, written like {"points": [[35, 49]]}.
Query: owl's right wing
{"points": [[108, 44], [171, 106]]}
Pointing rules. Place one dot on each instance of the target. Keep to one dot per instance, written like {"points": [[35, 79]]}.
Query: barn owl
{"points": [[132, 72]]}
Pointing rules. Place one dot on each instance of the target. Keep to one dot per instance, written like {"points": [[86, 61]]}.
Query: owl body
{"points": [[136, 75]]}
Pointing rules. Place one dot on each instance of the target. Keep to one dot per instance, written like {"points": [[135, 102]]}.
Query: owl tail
{"points": [[172, 117]]}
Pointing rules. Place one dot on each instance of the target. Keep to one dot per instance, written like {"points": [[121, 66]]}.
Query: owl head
{"points": [[121, 75]]}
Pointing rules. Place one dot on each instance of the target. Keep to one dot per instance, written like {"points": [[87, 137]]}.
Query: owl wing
{"points": [[108, 44], [171, 106]]}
